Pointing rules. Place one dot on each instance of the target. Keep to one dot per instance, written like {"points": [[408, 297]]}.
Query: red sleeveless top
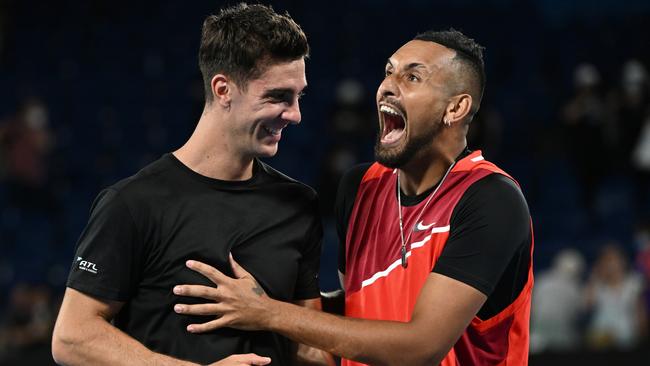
{"points": [[374, 273]]}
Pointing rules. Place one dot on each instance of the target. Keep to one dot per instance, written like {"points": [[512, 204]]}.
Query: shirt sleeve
{"points": [[307, 286], [109, 252], [345, 196], [489, 227]]}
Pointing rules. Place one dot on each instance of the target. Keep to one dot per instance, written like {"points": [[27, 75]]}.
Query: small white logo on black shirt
{"points": [[87, 266]]}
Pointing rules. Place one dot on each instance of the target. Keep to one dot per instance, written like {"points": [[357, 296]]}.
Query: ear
{"points": [[458, 108], [222, 89]]}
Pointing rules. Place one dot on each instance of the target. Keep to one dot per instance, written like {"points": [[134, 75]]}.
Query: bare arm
{"points": [[438, 319], [84, 336], [306, 355]]}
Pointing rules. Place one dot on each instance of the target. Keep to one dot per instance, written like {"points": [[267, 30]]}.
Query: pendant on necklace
{"points": [[404, 263]]}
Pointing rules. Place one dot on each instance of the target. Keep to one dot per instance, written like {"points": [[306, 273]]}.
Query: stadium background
{"points": [[91, 91]]}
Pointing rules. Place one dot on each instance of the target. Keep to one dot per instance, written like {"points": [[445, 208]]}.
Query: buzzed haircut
{"points": [[242, 41], [468, 53]]}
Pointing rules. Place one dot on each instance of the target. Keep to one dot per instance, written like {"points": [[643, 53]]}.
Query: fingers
{"points": [[208, 326], [253, 359], [199, 309], [205, 292], [208, 271], [243, 360], [238, 270]]}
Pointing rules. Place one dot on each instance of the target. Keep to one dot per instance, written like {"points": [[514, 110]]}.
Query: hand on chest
{"points": [[267, 244]]}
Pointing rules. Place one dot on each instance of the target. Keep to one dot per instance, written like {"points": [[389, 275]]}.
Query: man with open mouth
{"points": [[437, 242]]}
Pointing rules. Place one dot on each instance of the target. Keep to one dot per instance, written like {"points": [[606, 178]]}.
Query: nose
{"points": [[292, 113], [386, 88]]}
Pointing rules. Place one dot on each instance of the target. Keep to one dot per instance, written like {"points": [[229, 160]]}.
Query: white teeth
{"points": [[389, 110], [272, 131]]}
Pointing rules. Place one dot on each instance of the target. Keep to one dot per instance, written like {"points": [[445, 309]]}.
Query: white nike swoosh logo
{"points": [[421, 227]]}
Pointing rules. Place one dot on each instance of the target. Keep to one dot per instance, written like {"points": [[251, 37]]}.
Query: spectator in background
{"points": [[25, 143], [557, 304], [26, 327], [614, 296], [584, 117], [643, 264], [631, 110]]}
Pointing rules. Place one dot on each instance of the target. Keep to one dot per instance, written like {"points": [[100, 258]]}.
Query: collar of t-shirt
{"points": [[218, 183], [414, 200]]}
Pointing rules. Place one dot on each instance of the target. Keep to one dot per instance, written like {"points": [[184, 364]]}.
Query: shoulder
{"points": [[494, 204], [351, 179], [347, 193], [496, 190], [300, 189], [148, 184]]}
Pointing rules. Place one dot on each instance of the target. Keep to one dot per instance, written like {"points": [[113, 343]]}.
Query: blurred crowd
{"points": [[609, 131], [28, 304], [604, 309], [575, 134], [605, 306]]}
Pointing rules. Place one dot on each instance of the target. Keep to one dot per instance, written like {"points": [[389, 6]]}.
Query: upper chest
{"points": [[264, 232]]}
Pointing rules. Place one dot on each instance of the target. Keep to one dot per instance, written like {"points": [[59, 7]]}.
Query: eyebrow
{"points": [[281, 92], [412, 65], [416, 65]]}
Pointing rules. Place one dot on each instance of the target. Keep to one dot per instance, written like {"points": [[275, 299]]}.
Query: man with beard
{"points": [[437, 255]]}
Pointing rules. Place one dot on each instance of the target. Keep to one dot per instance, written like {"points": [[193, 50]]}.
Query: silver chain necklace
{"points": [[399, 211]]}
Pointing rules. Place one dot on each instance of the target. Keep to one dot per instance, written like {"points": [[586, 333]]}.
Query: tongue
{"points": [[393, 135]]}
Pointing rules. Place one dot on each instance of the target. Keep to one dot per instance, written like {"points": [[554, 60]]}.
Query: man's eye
{"points": [[279, 98], [412, 77], [388, 73]]}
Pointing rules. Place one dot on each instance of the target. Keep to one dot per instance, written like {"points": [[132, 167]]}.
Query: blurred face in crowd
{"points": [[411, 101], [611, 264], [266, 105]]}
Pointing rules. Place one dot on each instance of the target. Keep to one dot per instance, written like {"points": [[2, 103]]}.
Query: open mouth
{"points": [[394, 124], [272, 131]]}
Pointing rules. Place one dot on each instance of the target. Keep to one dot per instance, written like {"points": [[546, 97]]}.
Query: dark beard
{"points": [[397, 159]]}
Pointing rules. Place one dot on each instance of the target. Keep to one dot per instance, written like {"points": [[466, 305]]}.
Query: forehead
{"points": [[427, 53], [285, 75]]}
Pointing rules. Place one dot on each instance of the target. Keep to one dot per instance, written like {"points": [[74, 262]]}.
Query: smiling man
{"points": [[437, 242], [205, 200]]}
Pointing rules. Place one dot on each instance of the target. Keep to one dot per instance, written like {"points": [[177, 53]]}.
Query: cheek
{"points": [[428, 107], [418, 110], [423, 116], [258, 106], [268, 111]]}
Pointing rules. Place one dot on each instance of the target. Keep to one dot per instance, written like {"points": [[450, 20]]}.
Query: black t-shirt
{"points": [[143, 229], [489, 240]]}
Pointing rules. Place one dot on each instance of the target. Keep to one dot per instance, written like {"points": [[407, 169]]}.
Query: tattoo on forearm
{"points": [[258, 289]]}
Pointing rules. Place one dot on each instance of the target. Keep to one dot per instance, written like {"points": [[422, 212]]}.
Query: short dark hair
{"points": [[468, 52], [242, 41]]}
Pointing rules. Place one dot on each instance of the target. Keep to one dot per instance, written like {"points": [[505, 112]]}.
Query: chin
{"points": [[267, 151], [394, 156], [391, 158]]}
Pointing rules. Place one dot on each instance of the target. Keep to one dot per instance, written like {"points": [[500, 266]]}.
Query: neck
{"points": [[211, 153], [422, 173]]}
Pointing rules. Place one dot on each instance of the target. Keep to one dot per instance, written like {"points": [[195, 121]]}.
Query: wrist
{"points": [[272, 315]]}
